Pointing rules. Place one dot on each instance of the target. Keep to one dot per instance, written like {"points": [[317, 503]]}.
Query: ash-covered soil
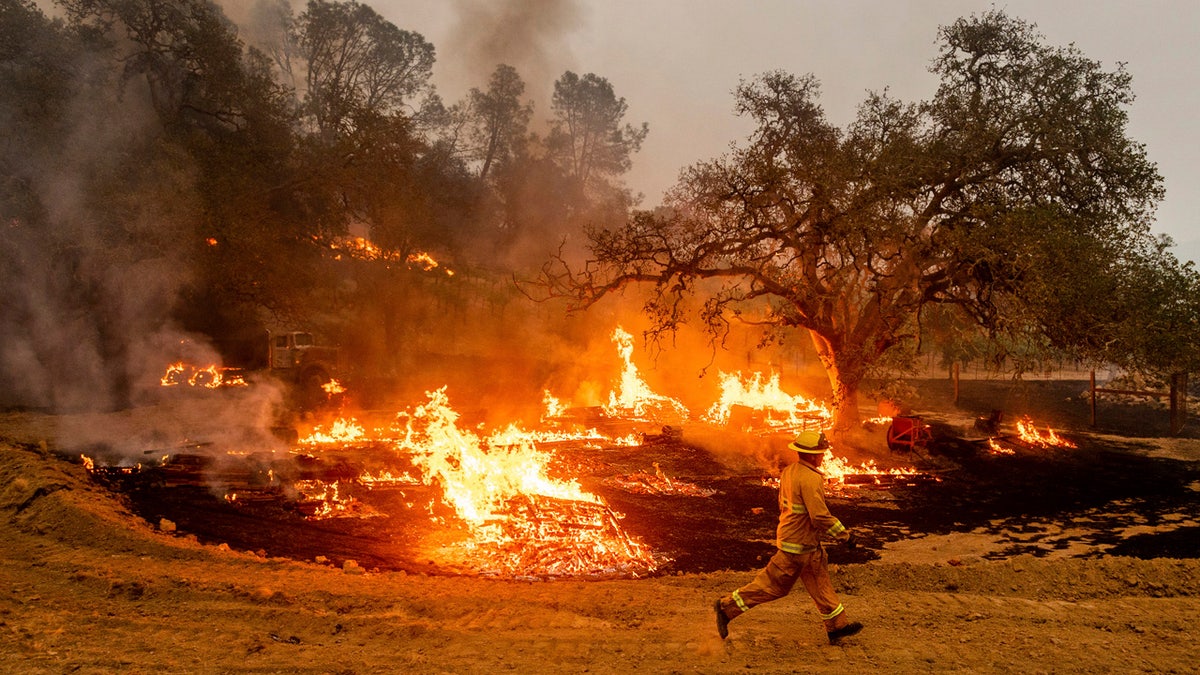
{"points": [[1105, 496], [1050, 561]]}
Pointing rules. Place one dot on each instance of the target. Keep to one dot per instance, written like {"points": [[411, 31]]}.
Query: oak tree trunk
{"points": [[845, 375]]}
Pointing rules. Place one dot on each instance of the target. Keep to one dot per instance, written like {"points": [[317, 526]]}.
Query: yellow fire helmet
{"points": [[810, 442]]}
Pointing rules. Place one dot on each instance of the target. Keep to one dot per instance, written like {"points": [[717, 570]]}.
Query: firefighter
{"points": [[803, 520]]}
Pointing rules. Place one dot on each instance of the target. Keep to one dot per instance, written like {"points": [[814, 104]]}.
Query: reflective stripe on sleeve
{"points": [[836, 529], [832, 614]]}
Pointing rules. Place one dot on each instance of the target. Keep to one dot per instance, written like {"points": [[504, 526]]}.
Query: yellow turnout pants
{"points": [[779, 576]]}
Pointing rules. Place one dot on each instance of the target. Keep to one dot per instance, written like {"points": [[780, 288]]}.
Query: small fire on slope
{"points": [[362, 248]]}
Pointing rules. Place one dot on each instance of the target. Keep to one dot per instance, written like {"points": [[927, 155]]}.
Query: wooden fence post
{"points": [[1178, 402], [1092, 390], [1177, 398]]}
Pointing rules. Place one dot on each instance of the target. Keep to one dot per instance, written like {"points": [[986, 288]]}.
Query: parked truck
{"points": [[305, 369], [296, 358]]}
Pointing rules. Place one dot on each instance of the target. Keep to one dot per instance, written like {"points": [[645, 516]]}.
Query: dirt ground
{"points": [[86, 586]]}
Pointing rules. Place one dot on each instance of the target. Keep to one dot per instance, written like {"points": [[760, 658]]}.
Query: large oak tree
{"points": [[1015, 185]]}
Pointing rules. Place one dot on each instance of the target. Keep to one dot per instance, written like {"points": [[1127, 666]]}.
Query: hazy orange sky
{"points": [[676, 63]]}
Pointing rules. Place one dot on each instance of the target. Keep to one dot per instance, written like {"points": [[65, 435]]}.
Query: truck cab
{"points": [[295, 357], [288, 350]]}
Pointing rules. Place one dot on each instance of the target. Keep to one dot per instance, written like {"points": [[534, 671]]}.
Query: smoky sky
{"points": [[677, 63], [530, 35]]}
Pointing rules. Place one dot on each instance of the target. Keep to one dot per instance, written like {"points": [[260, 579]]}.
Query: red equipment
{"points": [[908, 433]]}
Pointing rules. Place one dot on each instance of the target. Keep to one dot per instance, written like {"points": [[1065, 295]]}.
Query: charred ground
{"points": [[1107, 496]]}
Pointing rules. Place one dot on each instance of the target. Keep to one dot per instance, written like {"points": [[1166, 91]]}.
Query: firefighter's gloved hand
{"points": [[851, 541]]}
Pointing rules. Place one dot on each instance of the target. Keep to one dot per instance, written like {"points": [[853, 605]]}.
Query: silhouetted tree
{"points": [[498, 120], [356, 62], [589, 138]]}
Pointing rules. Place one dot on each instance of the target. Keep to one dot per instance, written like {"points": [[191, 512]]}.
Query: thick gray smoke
{"points": [[85, 300], [93, 256], [529, 35], [86, 329]]}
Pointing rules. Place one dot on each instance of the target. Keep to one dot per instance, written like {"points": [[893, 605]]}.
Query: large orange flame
{"points": [[633, 398], [783, 411], [477, 480]]}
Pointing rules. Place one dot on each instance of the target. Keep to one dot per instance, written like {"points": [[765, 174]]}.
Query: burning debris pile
{"points": [[633, 398], [533, 535], [842, 477], [208, 377], [320, 500], [752, 404], [520, 520], [1027, 436]]}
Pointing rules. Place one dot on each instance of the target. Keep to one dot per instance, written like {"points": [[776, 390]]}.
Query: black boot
{"points": [[722, 620], [845, 631]]}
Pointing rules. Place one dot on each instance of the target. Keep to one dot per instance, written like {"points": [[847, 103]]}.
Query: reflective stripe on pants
{"points": [[779, 576]]}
